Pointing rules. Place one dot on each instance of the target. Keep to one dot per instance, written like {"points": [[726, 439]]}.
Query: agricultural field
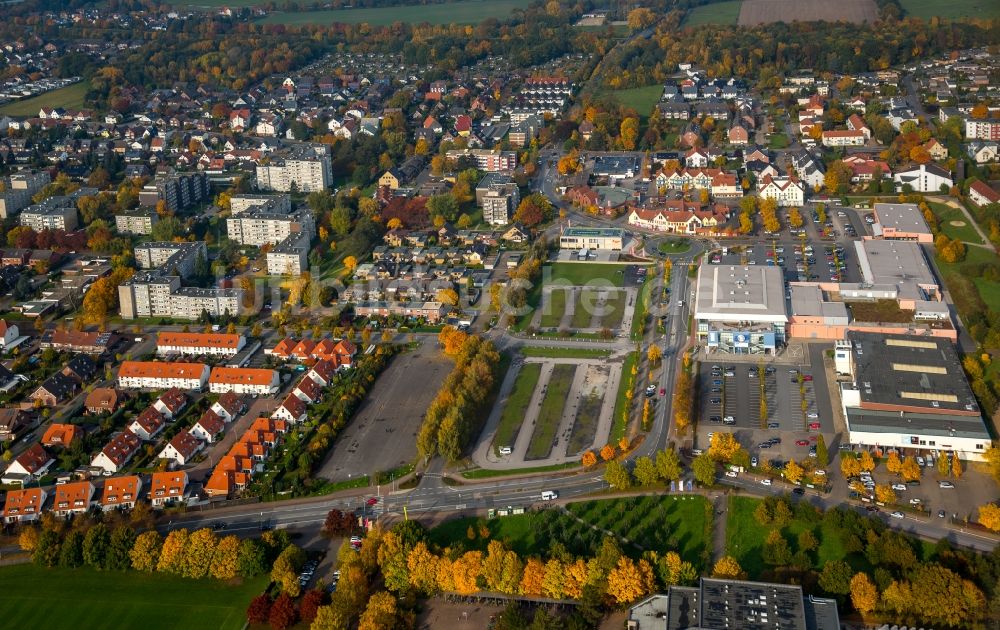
{"points": [[640, 99], [69, 97], [462, 12], [517, 402], [754, 12], [726, 13], [649, 522], [111, 599], [926, 9]]}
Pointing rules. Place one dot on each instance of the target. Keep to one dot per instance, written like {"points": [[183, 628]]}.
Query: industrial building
{"points": [[909, 392], [736, 604], [901, 221], [740, 309]]}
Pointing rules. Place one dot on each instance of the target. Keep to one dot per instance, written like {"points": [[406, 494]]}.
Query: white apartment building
{"points": [[257, 228], [784, 190], [243, 381], [162, 375], [213, 343], [308, 168], [136, 222]]}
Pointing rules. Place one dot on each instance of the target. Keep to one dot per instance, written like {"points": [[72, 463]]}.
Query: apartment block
{"points": [[20, 188], [179, 192], [140, 221], [307, 167], [290, 257], [257, 227], [55, 213], [280, 204]]}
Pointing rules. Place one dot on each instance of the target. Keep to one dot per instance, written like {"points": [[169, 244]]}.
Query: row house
{"points": [[213, 343], [171, 403], [73, 498], [236, 469], [24, 506], [167, 488], [60, 435], [118, 452], [243, 381], [30, 465], [161, 375], [148, 424], [121, 492], [981, 194], [339, 353]]}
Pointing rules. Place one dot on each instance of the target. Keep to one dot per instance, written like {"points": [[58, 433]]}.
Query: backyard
{"points": [[110, 599], [551, 412]]}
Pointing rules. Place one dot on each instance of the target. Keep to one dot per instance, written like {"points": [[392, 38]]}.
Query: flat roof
{"points": [[808, 300], [900, 263], [740, 293], [892, 422], [751, 605], [903, 217], [586, 231], [923, 372]]}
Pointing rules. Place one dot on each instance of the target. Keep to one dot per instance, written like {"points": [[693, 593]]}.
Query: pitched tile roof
{"points": [[21, 502], [33, 458], [243, 376], [74, 495], [121, 447], [185, 444], [173, 399], [118, 490], [160, 369], [103, 398], [61, 434], [168, 484], [230, 341]]}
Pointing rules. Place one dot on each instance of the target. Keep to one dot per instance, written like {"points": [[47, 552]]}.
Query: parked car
{"points": [[899, 486], [731, 473], [765, 482], [946, 484], [897, 514], [798, 491]]}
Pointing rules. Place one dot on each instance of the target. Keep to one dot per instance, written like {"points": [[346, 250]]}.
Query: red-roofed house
{"points": [[148, 424], [323, 372], [117, 452], [31, 464], [24, 505], [73, 498], [308, 390], [209, 426], [170, 403], [982, 195], [61, 435], [463, 125], [181, 448], [121, 492], [167, 487], [292, 409], [229, 406]]}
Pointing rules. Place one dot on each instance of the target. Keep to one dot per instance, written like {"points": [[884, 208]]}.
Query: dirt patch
{"points": [[588, 414], [754, 12]]}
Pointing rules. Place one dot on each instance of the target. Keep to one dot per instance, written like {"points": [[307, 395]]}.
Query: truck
{"points": [[549, 495], [583, 254]]}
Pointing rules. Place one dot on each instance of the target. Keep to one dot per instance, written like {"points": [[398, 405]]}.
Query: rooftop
{"points": [[900, 263], [737, 293], [903, 217], [585, 231]]}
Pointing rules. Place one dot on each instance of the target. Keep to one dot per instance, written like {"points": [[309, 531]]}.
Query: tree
{"points": [[795, 218], [645, 471], [793, 472], [423, 569], [703, 467], [864, 595], [723, 446], [71, 550], [252, 559], [630, 580], [588, 459], [532, 578], [310, 603], [119, 547], [836, 577], [956, 466], [283, 614], [392, 558], [27, 540], [885, 494], [668, 465], [198, 555], [608, 452], [910, 469], [654, 354], [943, 465], [350, 263], [727, 568], [552, 583], [849, 465], [285, 570], [259, 609], [629, 132], [776, 551], [95, 546], [448, 297], [617, 475], [640, 18], [380, 613], [867, 463], [145, 553], [225, 560], [989, 516], [533, 209], [822, 456]]}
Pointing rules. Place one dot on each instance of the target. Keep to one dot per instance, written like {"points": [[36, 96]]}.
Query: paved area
{"points": [[382, 435]]}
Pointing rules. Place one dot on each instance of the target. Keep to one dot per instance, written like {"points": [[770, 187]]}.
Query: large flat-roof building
{"points": [[602, 239], [901, 221], [909, 392], [740, 309], [734, 604], [307, 168]]}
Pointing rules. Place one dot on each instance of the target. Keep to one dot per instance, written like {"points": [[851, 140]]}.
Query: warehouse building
{"points": [[740, 309], [909, 392]]}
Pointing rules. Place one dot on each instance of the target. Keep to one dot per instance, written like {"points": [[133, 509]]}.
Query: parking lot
{"points": [[731, 394]]}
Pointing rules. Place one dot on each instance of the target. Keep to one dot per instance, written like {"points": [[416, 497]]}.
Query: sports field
{"points": [[463, 12], [70, 97], [715, 13], [926, 9], [36, 597]]}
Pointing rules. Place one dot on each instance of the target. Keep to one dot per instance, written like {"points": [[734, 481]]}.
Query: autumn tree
{"points": [[617, 475], [849, 465], [989, 516], [380, 613], [27, 540], [866, 461], [466, 570], [795, 218], [422, 566], [640, 18], [532, 578], [588, 459], [225, 559], [793, 472], [259, 609], [727, 568], [284, 572], [173, 553], [533, 210], [145, 553], [668, 465], [723, 446], [608, 452], [629, 132], [864, 595], [956, 466], [703, 468], [552, 582], [655, 354], [910, 469], [200, 551], [836, 577], [630, 580], [283, 613], [645, 471]]}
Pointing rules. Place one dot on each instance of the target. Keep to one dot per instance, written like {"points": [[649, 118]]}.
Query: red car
{"points": [[802, 443], [372, 501], [807, 377], [663, 392], [813, 425]]}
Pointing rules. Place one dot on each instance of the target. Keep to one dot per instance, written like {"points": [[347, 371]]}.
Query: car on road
{"points": [[716, 401], [372, 501], [812, 415], [753, 460], [819, 473], [871, 508], [897, 514], [813, 425], [765, 482], [716, 390], [717, 382], [801, 442], [731, 473], [798, 491], [915, 501], [946, 484], [899, 486], [807, 377], [773, 425], [715, 419], [941, 514], [663, 391]]}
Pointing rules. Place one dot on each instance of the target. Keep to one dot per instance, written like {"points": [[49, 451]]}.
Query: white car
{"points": [[914, 501], [920, 460], [946, 484], [897, 515], [819, 473], [506, 450], [812, 415], [899, 486], [731, 473], [765, 482]]}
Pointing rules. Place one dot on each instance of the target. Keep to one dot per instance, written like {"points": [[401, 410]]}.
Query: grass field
{"points": [[555, 308], [656, 523], [551, 412], [464, 12], [583, 309], [641, 99], [517, 403], [777, 141], [715, 13], [675, 246], [565, 353], [581, 274], [109, 599], [621, 404], [947, 214], [927, 9], [70, 97], [585, 424], [988, 291], [483, 473], [754, 12], [614, 310], [641, 306]]}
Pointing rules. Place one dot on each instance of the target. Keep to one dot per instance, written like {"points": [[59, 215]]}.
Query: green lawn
{"points": [[551, 412], [583, 309], [954, 279], [581, 274], [778, 141], [615, 310], [621, 405], [554, 309], [463, 12], [92, 599], [641, 99], [715, 13], [517, 403], [675, 245], [70, 97], [564, 353], [484, 473], [649, 522], [926, 9], [946, 215], [588, 414], [641, 306]]}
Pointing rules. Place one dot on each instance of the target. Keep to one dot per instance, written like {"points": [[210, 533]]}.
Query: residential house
{"points": [[291, 410], [73, 498], [323, 372], [983, 152], [61, 435], [24, 505], [182, 448], [308, 390], [739, 135], [171, 403], [12, 422], [103, 400], [216, 344], [243, 381], [8, 334], [159, 375], [229, 406], [936, 150], [843, 138], [31, 464], [56, 389], [785, 190], [117, 452], [856, 123], [865, 169], [121, 492], [982, 194], [209, 427], [923, 178], [166, 488], [148, 424]]}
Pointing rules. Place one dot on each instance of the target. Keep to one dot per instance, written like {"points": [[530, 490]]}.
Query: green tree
{"points": [[822, 457], [166, 229], [668, 465], [95, 546], [836, 577], [645, 471], [46, 552], [252, 559], [71, 551], [703, 467], [617, 475], [119, 548]]}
